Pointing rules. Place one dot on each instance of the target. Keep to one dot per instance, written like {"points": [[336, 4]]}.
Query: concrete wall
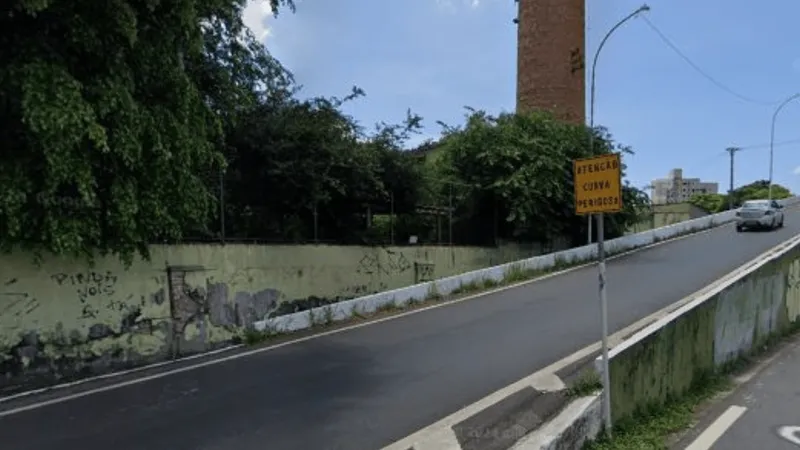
{"points": [[444, 286], [669, 357], [664, 215], [64, 317]]}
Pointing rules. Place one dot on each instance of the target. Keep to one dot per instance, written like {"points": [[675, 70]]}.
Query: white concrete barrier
{"points": [[371, 303], [731, 318]]}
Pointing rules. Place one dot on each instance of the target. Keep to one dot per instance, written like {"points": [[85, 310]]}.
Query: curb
{"points": [[580, 422]]}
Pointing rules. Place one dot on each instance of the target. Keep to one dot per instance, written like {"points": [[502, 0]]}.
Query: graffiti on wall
{"points": [[423, 272], [396, 263], [89, 286], [16, 303]]}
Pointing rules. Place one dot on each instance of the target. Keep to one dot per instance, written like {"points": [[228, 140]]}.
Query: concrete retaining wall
{"points": [[65, 318], [733, 319], [444, 286]]}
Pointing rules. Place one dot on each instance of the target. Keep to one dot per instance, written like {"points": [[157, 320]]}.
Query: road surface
{"points": [[762, 414], [365, 388]]}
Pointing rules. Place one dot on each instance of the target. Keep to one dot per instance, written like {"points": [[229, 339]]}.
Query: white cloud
{"points": [[455, 5], [256, 17], [796, 170]]}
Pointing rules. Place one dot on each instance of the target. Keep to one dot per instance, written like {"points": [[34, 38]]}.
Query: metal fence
{"points": [[434, 221]]}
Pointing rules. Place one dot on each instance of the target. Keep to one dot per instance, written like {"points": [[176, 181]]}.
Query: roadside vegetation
{"points": [[170, 123], [716, 203], [658, 428]]}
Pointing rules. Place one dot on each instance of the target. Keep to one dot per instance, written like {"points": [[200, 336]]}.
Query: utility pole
{"points": [[732, 151]]}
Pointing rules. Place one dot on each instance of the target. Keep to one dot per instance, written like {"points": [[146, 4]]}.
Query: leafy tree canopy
{"points": [[110, 112], [756, 190], [123, 120], [520, 167], [712, 203], [300, 169]]}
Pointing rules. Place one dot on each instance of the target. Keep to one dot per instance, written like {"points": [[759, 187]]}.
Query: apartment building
{"points": [[677, 189]]}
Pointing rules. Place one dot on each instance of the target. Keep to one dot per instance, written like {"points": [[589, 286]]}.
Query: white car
{"points": [[759, 214]]}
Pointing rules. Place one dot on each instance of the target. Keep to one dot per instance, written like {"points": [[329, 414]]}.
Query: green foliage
{"points": [[519, 167], [713, 203], [756, 190], [759, 190], [111, 110], [291, 159], [123, 121]]}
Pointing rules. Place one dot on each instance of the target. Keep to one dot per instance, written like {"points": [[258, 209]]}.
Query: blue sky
{"points": [[436, 56]]}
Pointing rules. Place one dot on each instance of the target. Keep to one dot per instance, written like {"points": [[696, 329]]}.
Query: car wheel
{"points": [[780, 225], [739, 229]]}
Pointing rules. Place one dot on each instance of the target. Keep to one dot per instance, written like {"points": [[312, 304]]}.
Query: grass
{"points": [[656, 428], [325, 319], [587, 383], [651, 431]]}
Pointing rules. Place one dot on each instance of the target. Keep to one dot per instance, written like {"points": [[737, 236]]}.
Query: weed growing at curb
{"points": [[433, 294], [650, 430], [355, 312], [587, 384], [653, 428], [467, 288], [251, 336], [388, 307], [327, 315]]}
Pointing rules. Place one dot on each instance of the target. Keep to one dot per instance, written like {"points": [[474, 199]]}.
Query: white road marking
{"points": [[434, 435], [791, 434], [544, 377], [717, 429], [120, 373]]}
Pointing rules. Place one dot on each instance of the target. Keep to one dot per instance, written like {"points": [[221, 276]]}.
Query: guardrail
{"points": [[732, 319], [444, 286]]}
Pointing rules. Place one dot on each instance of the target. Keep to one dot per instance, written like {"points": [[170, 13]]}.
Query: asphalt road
{"points": [[365, 388], [768, 407]]}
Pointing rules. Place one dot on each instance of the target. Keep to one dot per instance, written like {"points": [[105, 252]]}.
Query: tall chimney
{"points": [[551, 73]]}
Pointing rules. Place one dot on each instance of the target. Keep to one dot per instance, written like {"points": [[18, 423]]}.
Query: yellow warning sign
{"points": [[598, 184]]}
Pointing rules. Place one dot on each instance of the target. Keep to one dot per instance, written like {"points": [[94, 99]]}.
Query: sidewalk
{"points": [[762, 414]]}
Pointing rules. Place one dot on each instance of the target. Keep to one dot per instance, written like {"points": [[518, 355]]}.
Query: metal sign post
{"points": [[598, 190], [601, 268]]}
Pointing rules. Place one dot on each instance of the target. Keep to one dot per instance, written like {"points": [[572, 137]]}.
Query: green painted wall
{"points": [[64, 318], [664, 215], [731, 324]]}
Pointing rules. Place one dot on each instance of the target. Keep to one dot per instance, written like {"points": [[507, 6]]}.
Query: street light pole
{"points": [[641, 9], [732, 151], [600, 232], [772, 138]]}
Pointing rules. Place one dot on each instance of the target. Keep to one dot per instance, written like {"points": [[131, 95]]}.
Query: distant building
{"points": [[677, 189]]}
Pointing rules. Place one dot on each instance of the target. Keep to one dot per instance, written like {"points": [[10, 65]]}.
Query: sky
{"points": [[740, 59]]}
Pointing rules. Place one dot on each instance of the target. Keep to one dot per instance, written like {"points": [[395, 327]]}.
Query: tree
{"points": [[518, 167], [301, 170], [759, 190], [713, 203], [756, 190], [112, 110]]}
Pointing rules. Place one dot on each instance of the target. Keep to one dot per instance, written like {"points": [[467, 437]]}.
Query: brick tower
{"points": [[550, 58]]}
